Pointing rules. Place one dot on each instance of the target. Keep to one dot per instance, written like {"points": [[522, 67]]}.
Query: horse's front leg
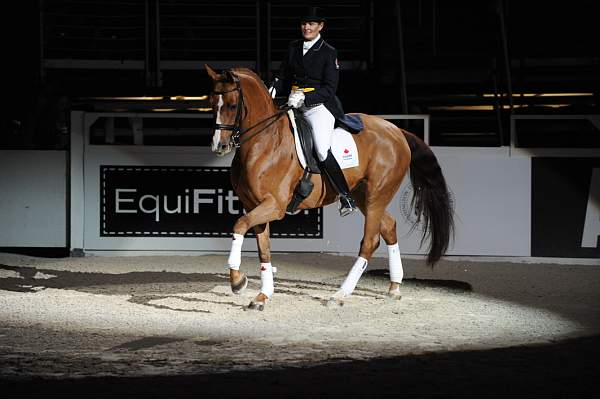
{"points": [[267, 287], [268, 210]]}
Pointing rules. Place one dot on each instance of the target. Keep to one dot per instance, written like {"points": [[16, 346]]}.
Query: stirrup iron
{"points": [[347, 205]]}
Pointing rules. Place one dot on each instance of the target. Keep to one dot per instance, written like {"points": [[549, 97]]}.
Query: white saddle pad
{"points": [[343, 146]]}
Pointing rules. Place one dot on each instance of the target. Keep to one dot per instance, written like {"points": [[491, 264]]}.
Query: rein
{"points": [[238, 142], [236, 137]]}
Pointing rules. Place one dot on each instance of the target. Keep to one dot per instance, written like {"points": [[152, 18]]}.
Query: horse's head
{"points": [[226, 100]]}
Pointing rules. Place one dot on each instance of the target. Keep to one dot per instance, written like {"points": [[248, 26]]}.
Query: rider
{"points": [[310, 73]]}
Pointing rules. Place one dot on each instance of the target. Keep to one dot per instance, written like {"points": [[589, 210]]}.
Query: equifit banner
{"points": [[565, 204], [168, 201]]}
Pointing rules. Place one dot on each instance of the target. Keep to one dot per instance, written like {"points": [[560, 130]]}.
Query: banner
{"points": [[168, 201]]}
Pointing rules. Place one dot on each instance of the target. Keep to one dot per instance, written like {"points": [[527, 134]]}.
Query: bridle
{"points": [[236, 129]]}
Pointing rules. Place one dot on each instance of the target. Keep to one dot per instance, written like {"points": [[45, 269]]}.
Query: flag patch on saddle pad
{"points": [[343, 148]]}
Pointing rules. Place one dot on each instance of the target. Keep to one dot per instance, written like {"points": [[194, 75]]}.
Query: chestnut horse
{"points": [[265, 171]]}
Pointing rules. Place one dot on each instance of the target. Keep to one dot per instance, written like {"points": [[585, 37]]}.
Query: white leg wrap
{"points": [[266, 279], [352, 279], [235, 256], [395, 263]]}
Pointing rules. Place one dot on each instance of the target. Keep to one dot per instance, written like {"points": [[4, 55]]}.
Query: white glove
{"points": [[296, 99]]}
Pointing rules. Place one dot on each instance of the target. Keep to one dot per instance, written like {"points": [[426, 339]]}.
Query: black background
{"points": [[560, 191]]}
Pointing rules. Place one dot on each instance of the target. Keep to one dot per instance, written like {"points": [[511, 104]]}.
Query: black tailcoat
{"points": [[318, 68]]}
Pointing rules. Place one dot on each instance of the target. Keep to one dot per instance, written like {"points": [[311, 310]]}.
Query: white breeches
{"points": [[322, 123]]}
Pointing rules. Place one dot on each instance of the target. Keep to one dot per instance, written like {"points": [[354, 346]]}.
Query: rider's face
{"points": [[310, 30]]}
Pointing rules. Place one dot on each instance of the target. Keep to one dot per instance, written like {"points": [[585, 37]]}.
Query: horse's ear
{"points": [[213, 75], [228, 76]]}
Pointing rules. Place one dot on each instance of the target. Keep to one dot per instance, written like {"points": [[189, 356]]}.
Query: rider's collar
{"points": [[306, 45]]}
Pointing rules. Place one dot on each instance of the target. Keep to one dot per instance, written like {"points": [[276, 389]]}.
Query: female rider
{"points": [[310, 74]]}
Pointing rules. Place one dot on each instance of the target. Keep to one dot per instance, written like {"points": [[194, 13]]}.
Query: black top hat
{"points": [[313, 14]]}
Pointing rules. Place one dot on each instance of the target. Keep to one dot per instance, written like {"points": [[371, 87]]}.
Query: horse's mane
{"points": [[249, 73], [254, 80]]}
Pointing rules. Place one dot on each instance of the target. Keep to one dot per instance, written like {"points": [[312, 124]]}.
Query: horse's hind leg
{"points": [[388, 232], [266, 269], [374, 209], [387, 229]]}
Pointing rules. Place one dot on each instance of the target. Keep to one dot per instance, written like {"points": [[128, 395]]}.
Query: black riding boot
{"points": [[333, 171]]}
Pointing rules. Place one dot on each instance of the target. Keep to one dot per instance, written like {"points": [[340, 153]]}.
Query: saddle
{"points": [[305, 136], [298, 123], [351, 123]]}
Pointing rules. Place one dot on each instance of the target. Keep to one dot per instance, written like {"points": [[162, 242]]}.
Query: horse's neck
{"points": [[256, 113], [259, 104], [264, 130]]}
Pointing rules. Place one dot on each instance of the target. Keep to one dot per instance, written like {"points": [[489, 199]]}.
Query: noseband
{"points": [[236, 128]]}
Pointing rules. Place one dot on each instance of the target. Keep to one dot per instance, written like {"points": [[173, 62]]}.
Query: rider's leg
{"points": [[322, 123], [337, 179]]}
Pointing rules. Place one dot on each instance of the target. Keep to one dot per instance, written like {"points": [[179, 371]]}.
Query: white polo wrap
{"points": [[266, 279], [352, 279], [395, 263], [235, 256]]}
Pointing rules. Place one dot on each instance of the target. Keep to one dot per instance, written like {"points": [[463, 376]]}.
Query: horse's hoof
{"points": [[394, 295], [260, 306], [239, 287], [334, 303], [337, 299]]}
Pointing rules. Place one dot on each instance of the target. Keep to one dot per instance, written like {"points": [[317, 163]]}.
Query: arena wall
{"points": [[123, 199], [33, 198]]}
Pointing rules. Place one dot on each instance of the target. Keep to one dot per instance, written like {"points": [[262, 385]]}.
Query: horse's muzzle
{"points": [[223, 149]]}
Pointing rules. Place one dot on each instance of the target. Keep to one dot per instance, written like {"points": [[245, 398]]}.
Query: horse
{"points": [[265, 171]]}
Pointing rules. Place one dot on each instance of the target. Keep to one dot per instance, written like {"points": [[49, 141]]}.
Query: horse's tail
{"points": [[431, 199]]}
